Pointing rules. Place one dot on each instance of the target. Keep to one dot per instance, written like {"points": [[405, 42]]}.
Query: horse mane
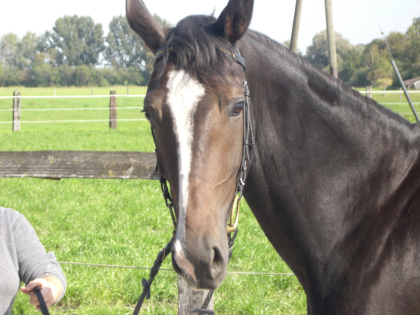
{"points": [[335, 88], [194, 47]]}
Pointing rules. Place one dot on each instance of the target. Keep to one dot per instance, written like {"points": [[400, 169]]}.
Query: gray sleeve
{"points": [[33, 261]]}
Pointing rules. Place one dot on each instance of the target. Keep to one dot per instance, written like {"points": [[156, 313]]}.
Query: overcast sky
{"points": [[354, 19]]}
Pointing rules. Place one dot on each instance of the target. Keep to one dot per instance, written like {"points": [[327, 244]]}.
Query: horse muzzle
{"points": [[203, 265]]}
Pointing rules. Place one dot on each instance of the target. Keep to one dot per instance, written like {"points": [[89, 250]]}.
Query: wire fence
{"points": [[17, 110], [69, 96], [71, 121], [172, 270], [122, 108]]}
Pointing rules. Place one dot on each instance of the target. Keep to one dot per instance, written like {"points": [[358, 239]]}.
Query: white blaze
{"points": [[184, 93]]}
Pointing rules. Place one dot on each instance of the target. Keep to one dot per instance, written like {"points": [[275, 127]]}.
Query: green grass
{"points": [[397, 102], [125, 222]]}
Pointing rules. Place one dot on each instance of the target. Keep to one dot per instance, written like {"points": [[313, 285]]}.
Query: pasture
{"points": [[122, 222], [125, 222]]}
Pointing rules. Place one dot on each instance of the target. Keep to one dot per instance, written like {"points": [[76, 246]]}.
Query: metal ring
{"points": [[233, 226]]}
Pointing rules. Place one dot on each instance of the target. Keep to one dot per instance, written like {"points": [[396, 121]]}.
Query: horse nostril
{"points": [[216, 265]]}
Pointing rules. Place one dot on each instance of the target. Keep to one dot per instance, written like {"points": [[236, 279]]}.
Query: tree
{"points": [[82, 75], [124, 47], [44, 75], [413, 48], [318, 53], [351, 63], [78, 40], [127, 53], [374, 50], [2, 75], [397, 43], [28, 48], [9, 50]]}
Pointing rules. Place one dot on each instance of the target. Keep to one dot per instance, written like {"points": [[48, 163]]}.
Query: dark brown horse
{"points": [[335, 179]]}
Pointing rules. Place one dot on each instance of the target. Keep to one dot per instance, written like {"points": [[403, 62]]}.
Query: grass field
{"points": [[125, 222]]}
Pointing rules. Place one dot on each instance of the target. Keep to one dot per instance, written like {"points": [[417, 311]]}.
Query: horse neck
{"points": [[324, 154]]}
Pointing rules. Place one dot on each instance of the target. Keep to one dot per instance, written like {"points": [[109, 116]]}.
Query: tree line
{"points": [[76, 53], [370, 64]]}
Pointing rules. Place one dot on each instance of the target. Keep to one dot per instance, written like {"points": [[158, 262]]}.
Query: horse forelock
{"points": [[196, 48]]}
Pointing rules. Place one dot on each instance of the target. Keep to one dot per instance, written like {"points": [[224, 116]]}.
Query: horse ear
{"points": [[145, 25], [234, 20]]}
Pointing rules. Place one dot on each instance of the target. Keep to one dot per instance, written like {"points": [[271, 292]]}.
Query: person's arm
{"points": [[36, 267]]}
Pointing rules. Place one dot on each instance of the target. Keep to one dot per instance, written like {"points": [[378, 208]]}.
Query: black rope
{"points": [[42, 305], [153, 272]]}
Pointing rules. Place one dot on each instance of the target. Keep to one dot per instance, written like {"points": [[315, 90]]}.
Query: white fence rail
{"points": [[386, 92], [70, 96], [112, 109]]}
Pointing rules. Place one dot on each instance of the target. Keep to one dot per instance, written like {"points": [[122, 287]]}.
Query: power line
{"points": [[394, 65]]}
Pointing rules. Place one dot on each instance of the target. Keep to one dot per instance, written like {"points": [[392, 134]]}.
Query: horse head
{"points": [[195, 104]]}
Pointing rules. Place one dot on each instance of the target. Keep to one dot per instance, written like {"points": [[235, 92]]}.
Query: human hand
{"points": [[51, 290]]}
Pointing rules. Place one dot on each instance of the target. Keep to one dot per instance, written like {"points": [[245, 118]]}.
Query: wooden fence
{"points": [[94, 164]]}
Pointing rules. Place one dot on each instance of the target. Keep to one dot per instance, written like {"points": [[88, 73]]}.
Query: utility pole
{"points": [[296, 23], [331, 39]]}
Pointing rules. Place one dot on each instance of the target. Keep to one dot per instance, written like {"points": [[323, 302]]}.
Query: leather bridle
{"points": [[248, 142], [232, 227]]}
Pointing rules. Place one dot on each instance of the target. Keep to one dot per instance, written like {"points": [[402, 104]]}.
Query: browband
{"points": [[236, 56]]}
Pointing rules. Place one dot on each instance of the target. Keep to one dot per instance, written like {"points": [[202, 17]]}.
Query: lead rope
{"points": [[42, 304], [163, 253], [153, 272]]}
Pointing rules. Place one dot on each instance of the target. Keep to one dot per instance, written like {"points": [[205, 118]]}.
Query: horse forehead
{"points": [[182, 86], [184, 92]]}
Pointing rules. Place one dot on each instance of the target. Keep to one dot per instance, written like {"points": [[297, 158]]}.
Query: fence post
{"points": [[369, 91], [16, 111], [113, 110], [189, 298]]}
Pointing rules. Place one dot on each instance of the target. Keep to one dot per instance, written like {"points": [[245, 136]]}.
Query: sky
{"points": [[356, 20]]}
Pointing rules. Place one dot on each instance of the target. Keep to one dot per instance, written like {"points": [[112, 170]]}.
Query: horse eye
{"points": [[238, 108], [148, 117]]}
